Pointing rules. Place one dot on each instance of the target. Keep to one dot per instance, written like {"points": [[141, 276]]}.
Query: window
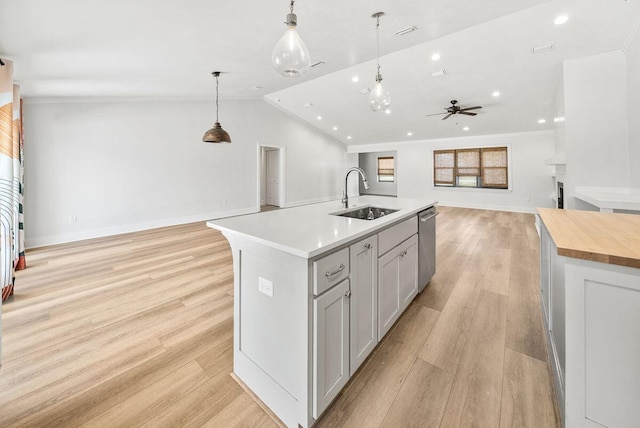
{"points": [[386, 169], [482, 167]]}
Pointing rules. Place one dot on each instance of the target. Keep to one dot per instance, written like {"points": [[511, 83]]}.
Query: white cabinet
{"points": [[364, 300], [331, 344], [397, 283]]}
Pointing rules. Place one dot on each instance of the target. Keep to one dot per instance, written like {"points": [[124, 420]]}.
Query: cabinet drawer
{"points": [[330, 270], [389, 238]]}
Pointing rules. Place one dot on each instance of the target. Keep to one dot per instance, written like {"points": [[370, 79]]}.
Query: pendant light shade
{"points": [[379, 98], [290, 56], [216, 134]]}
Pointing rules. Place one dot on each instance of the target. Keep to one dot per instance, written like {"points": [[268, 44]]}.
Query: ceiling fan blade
{"points": [[467, 113], [447, 116], [434, 114], [470, 108]]}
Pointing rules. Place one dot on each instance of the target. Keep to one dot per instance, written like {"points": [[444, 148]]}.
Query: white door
{"points": [[273, 177]]}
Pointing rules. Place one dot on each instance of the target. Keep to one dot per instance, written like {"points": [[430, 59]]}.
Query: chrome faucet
{"points": [[345, 198]]}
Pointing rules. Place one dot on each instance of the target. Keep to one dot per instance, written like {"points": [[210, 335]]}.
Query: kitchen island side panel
{"points": [[271, 334]]}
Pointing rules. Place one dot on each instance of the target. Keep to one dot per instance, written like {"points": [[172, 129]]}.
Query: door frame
{"points": [[281, 160]]}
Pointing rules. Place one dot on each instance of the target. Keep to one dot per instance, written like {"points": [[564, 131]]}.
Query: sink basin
{"points": [[365, 213]]}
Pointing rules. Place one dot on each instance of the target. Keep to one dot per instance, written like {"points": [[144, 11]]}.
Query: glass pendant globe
{"points": [[379, 98], [290, 55]]}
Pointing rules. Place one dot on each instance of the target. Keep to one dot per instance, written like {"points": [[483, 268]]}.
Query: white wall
{"points": [[123, 166], [632, 55], [596, 127], [531, 182]]}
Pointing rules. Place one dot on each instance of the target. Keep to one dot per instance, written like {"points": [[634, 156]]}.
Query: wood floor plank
{"points": [[422, 398], [475, 396], [142, 406], [527, 400]]}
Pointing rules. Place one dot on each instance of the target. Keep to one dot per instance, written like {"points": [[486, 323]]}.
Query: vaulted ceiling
{"points": [[152, 49]]}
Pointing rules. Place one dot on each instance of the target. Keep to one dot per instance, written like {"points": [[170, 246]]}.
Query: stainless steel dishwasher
{"points": [[426, 246]]}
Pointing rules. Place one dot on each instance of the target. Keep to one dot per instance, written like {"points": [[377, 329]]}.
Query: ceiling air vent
{"points": [[364, 91], [542, 49], [406, 30]]}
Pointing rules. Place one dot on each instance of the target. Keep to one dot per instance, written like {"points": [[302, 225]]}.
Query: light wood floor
{"points": [[136, 330]]}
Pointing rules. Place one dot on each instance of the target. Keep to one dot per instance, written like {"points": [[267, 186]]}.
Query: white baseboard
{"points": [[41, 241], [490, 207]]}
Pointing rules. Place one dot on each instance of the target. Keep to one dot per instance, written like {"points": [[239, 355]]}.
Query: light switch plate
{"points": [[265, 286]]}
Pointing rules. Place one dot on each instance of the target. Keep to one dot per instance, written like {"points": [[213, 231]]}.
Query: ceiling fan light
{"points": [[290, 56]]}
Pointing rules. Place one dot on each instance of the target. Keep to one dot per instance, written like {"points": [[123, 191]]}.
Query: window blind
{"points": [[494, 167], [444, 163]]}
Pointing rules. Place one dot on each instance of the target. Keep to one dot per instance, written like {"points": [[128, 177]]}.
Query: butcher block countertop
{"points": [[599, 237]]}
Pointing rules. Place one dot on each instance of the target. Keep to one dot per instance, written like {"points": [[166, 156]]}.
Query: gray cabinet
{"points": [[397, 283], [331, 344], [364, 299]]}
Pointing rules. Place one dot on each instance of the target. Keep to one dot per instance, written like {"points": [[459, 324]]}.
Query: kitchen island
{"points": [[590, 294], [314, 293]]}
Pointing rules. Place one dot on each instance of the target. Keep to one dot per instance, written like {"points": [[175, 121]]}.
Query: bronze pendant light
{"points": [[216, 134]]}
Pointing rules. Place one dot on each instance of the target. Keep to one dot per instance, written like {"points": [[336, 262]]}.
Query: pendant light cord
{"points": [[217, 98], [291, 7], [378, 38]]}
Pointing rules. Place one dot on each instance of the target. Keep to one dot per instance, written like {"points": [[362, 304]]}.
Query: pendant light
{"points": [[216, 134], [379, 98], [290, 56]]}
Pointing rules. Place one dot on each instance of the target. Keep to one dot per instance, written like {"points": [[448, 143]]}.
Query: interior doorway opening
{"points": [[271, 160]]}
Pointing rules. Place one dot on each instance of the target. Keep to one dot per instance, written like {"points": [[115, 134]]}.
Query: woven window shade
{"points": [[386, 166], [494, 167], [468, 162], [444, 163]]}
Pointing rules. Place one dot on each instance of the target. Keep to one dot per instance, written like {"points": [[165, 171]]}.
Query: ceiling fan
{"points": [[454, 109]]}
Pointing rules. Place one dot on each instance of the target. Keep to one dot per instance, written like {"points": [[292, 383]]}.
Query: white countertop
{"points": [[310, 230], [610, 198]]}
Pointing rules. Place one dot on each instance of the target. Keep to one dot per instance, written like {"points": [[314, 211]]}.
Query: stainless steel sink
{"points": [[365, 213]]}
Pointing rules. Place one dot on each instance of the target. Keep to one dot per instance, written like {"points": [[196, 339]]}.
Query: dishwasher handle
{"points": [[426, 218]]}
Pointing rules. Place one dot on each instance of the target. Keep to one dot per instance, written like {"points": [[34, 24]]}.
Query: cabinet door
{"points": [[331, 345], [388, 293], [408, 271], [364, 299]]}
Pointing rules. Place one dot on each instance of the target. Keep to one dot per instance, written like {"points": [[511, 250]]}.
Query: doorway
{"points": [[270, 177]]}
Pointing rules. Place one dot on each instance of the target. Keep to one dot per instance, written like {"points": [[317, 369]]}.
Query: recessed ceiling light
{"points": [[387, 110], [558, 119], [496, 94], [435, 56], [466, 128], [438, 73], [561, 19], [355, 79], [335, 128], [255, 88], [319, 118], [541, 121], [409, 134], [348, 137], [308, 104]]}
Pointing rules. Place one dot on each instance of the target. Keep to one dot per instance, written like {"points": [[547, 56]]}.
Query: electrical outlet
{"points": [[265, 286]]}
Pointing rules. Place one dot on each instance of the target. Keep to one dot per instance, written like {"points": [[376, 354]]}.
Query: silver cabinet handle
{"points": [[334, 273], [367, 246], [347, 294], [404, 253]]}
